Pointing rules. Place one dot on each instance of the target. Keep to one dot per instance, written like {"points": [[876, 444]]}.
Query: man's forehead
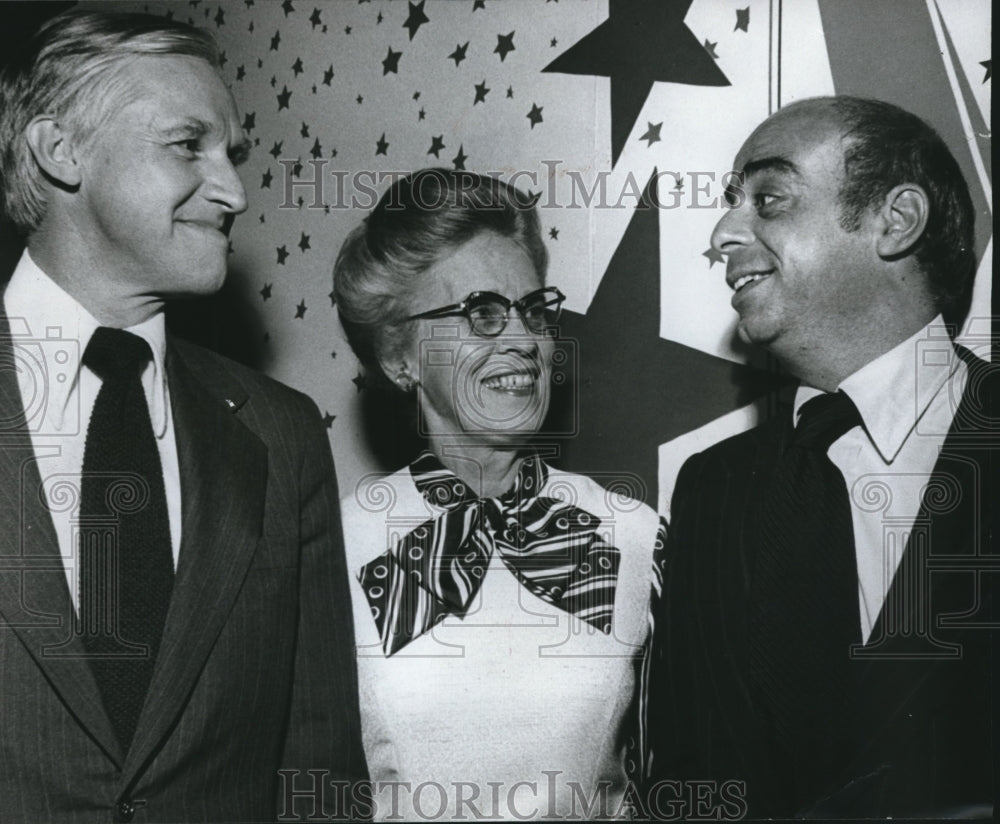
{"points": [[786, 139], [177, 88]]}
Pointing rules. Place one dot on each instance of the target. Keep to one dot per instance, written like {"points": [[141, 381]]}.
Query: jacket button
{"points": [[124, 811]]}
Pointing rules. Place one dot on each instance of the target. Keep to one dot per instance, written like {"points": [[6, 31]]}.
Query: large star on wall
{"points": [[641, 42], [643, 384]]}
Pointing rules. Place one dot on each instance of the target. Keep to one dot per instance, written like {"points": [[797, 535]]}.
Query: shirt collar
{"points": [[43, 314], [893, 391]]}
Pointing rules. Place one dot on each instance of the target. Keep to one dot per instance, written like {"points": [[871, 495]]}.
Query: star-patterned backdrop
{"points": [[622, 115]]}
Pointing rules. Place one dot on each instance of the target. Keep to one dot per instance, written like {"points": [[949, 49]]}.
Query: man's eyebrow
{"points": [[190, 129], [774, 163]]}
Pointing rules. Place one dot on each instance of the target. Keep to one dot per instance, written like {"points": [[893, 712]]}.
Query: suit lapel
{"points": [[223, 468], [948, 523], [34, 600]]}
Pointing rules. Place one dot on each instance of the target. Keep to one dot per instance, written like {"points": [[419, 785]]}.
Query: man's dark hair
{"points": [[888, 146]]}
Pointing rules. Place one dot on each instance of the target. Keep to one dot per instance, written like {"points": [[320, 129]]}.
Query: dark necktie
{"points": [[127, 569], [804, 613]]}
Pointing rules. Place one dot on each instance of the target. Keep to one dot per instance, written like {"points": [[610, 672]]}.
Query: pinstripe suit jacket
{"points": [[916, 732], [256, 669]]}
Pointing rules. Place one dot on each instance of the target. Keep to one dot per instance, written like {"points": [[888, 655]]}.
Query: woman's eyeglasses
{"points": [[487, 312]]}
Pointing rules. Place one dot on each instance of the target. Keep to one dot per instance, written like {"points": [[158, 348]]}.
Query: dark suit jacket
{"points": [[916, 734], [256, 668]]}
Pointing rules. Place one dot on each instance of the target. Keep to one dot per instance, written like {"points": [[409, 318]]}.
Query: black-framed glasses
{"points": [[487, 312]]}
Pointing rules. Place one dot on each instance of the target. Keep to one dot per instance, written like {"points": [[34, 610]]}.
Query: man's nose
{"points": [[733, 230], [226, 187]]}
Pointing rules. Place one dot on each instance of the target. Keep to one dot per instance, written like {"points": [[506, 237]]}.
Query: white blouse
{"points": [[518, 710]]}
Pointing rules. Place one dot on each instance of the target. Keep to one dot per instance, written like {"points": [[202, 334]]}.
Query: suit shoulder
{"points": [[235, 380]]}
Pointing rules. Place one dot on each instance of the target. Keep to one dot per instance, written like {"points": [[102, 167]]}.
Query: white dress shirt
{"points": [[907, 399], [50, 331]]}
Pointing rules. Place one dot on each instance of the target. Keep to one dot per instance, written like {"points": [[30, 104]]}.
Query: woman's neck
{"points": [[489, 471]]}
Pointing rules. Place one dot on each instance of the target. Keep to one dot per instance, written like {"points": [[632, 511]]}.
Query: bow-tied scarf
{"points": [[552, 547]]}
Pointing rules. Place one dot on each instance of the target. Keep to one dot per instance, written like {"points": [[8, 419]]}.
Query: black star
{"points": [[510, 92], [379, 19], [416, 95], [315, 18], [416, 19], [316, 151], [710, 48], [333, 153], [265, 293], [328, 76], [437, 144], [250, 27], [478, 4], [283, 97], [678, 184], [333, 355], [553, 43], [459, 159], [652, 134], [347, 29], [276, 41], [459, 54], [220, 17], [288, 7], [314, 88], [297, 168], [988, 65], [282, 254], [304, 131], [604, 388], [381, 146], [360, 99], [265, 180], [223, 59], [421, 114], [333, 300], [304, 242], [713, 257], [328, 419], [300, 310], [241, 72], [262, 218], [554, 233], [535, 115], [742, 19], [276, 149], [481, 92], [641, 42], [360, 381], [249, 121], [274, 81], [249, 3], [391, 62], [260, 63], [297, 66], [505, 45]]}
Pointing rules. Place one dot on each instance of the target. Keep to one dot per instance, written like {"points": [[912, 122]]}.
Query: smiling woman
{"points": [[499, 604]]}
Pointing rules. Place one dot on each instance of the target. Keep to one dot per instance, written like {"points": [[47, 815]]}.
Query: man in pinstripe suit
{"points": [[849, 251], [119, 144]]}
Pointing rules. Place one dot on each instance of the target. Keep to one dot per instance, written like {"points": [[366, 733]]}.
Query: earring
{"points": [[406, 381]]}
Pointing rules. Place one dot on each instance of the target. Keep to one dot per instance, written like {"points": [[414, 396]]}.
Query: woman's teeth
{"points": [[518, 380]]}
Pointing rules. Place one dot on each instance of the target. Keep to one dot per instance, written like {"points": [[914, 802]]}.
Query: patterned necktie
{"points": [[551, 547], [804, 613], [126, 560]]}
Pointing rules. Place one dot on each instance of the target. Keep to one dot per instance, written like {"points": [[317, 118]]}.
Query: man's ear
{"points": [[53, 150], [903, 216]]}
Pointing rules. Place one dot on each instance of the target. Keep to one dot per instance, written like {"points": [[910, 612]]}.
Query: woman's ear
{"points": [[53, 150], [903, 216], [399, 373]]}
